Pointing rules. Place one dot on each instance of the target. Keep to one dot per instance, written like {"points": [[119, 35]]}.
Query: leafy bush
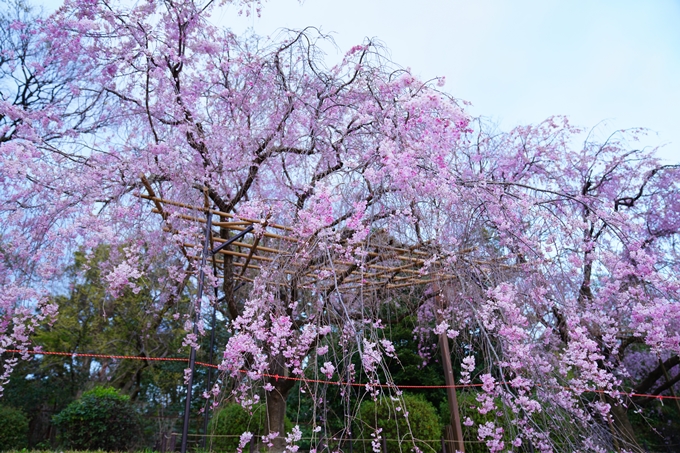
{"points": [[233, 420], [101, 419], [422, 426], [13, 428]]}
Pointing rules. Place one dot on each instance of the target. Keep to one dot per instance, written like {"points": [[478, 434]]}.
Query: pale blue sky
{"points": [[518, 61]]}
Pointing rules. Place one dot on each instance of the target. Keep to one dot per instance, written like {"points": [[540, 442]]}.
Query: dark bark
{"points": [[656, 374], [668, 385], [276, 404], [623, 430]]}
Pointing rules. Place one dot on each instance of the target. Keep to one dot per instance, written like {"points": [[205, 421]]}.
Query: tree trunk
{"points": [[276, 414], [623, 430], [276, 404]]}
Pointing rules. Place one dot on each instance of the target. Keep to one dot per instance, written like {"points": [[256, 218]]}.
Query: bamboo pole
{"points": [[213, 211], [457, 428]]}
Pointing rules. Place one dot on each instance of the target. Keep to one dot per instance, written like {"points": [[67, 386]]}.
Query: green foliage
{"points": [[101, 419], [409, 368], [233, 420], [13, 428], [91, 320], [422, 424], [657, 426]]}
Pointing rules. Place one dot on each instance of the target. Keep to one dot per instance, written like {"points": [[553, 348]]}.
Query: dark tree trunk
{"points": [[623, 430], [276, 404]]}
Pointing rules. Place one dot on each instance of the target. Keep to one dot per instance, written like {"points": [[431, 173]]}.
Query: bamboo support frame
{"points": [[389, 267]]}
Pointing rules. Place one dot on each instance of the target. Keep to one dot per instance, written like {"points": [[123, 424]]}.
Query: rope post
{"points": [[455, 434], [457, 429], [197, 319]]}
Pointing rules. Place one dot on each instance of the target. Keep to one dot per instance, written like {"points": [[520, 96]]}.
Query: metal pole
{"points": [[209, 383], [208, 386], [197, 319], [233, 239], [347, 409]]}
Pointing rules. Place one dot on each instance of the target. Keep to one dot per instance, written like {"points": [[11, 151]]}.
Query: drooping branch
{"points": [[657, 373]]}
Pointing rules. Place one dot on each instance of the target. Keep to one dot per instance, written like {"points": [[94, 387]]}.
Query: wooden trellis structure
{"points": [[384, 266], [250, 245]]}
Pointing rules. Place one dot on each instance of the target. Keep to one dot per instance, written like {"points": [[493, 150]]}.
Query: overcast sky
{"points": [[518, 61]]}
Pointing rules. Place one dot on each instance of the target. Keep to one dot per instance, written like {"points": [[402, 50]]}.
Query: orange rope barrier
{"points": [[292, 378]]}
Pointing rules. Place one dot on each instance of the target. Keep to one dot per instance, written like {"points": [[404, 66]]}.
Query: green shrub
{"points": [[423, 426], [233, 420], [101, 419], [13, 429]]}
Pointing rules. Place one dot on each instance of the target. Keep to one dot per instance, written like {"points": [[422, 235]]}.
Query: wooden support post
{"points": [[172, 443], [162, 442], [454, 431], [458, 444]]}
